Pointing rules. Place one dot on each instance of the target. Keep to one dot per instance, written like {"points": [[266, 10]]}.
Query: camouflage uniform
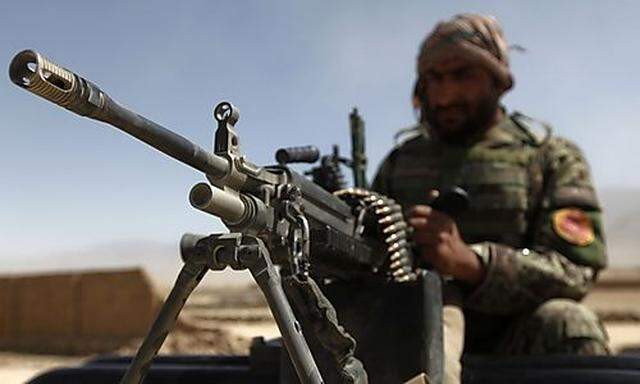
{"points": [[523, 185]]}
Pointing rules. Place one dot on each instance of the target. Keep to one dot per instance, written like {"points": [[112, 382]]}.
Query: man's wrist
{"points": [[473, 270]]}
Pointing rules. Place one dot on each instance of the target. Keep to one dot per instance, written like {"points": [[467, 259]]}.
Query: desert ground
{"points": [[224, 321]]}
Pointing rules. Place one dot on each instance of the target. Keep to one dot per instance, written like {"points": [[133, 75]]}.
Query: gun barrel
{"points": [[37, 74], [218, 202]]}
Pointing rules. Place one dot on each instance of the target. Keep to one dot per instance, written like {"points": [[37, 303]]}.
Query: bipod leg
{"points": [[254, 255], [188, 279]]}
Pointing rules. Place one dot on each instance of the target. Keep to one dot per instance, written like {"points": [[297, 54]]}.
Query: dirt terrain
{"points": [[225, 321], [212, 322]]}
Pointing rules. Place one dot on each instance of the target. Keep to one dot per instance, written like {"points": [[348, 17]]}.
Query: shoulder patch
{"points": [[574, 226], [537, 130]]}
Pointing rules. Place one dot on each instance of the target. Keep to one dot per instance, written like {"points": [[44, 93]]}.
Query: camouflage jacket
{"points": [[534, 219]]}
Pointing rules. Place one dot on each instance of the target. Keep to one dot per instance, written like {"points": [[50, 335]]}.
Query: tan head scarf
{"points": [[477, 38]]}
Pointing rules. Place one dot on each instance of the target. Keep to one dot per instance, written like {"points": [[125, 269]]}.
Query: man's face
{"points": [[461, 98]]}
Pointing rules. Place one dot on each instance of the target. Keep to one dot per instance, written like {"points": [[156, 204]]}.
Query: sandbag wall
{"points": [[73, 313]]}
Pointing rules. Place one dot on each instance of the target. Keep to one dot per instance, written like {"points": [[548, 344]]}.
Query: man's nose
{"points": [[448, 93]]}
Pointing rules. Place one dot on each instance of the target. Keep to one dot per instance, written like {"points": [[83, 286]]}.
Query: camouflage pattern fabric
{"points": [[476, 38], [559, 326], [318, 315], [518, 179]]}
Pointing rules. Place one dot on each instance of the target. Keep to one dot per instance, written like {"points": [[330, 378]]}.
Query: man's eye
{"points": [[463, 74]]}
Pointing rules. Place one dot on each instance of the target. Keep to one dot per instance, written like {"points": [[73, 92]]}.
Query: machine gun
{"points": [[275, 215]]}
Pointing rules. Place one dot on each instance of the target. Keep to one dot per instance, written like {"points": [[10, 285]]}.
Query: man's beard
{"points": [[473, 120]]}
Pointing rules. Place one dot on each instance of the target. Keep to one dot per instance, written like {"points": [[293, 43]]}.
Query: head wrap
{"points": [[477, 38]]}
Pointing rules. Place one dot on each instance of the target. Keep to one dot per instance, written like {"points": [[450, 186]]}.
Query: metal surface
{"points": [[217, 252], [33, 72], [391, 225], [358, 154], [224, 204], [268, 280], [242, 183], [306, 154]]}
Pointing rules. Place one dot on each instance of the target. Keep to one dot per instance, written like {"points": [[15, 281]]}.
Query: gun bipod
{"points": [[216, 252]]}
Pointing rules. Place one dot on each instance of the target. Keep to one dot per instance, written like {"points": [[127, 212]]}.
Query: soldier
{"points": [[530, 246]]}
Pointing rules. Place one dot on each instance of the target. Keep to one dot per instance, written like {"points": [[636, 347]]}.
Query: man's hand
{"points": [[442, 245]]}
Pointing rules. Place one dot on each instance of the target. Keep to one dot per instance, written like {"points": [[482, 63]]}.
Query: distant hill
{"points": [[161, 260], [622, 224]]}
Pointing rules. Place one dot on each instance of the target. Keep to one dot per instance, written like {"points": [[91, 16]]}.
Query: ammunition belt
{"points": [[391, 228]]}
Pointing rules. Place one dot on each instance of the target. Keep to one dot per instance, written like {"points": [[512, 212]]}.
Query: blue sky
{"points": [[295, 69]]}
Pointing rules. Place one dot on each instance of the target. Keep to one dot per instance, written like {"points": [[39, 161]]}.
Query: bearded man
{"points": [[530, 246]]}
